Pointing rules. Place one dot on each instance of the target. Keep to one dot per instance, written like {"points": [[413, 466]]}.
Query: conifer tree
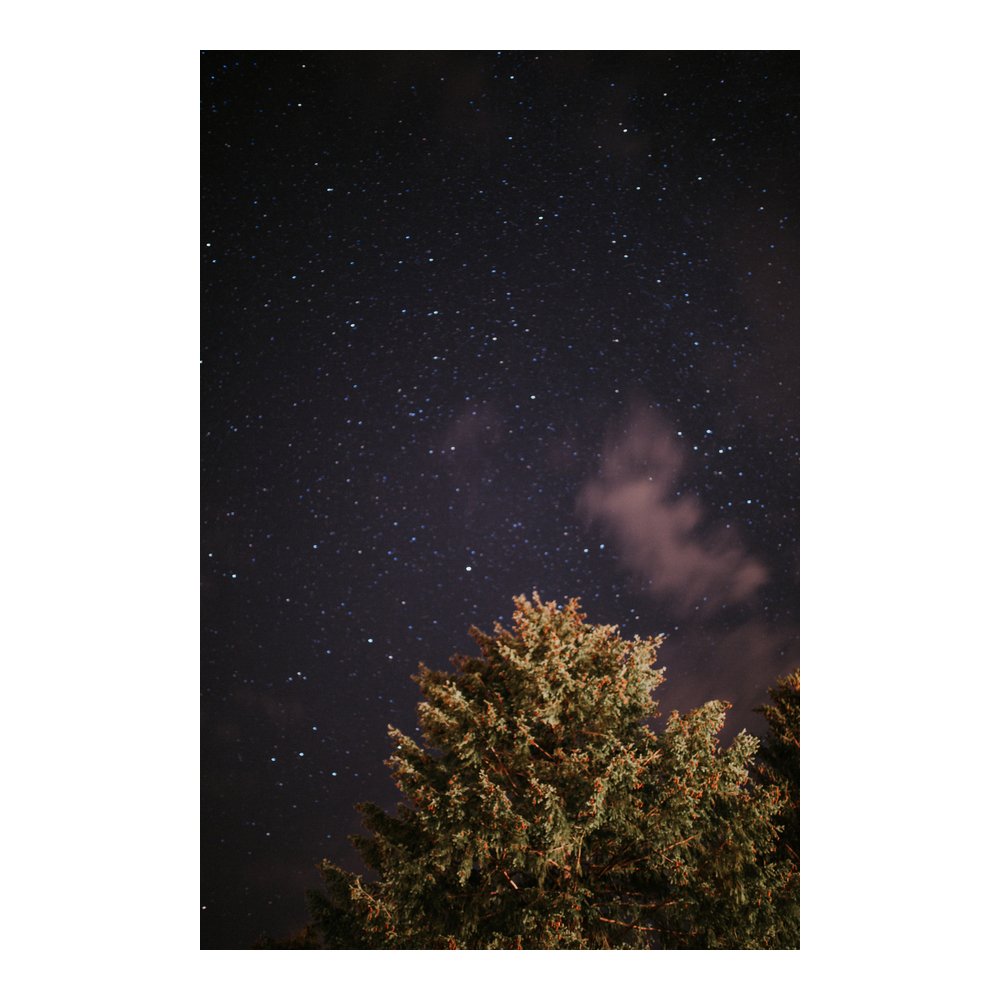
{"points": [[779, 758], [542, 812]]}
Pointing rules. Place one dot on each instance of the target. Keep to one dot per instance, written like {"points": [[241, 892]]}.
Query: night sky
{"points": [[473, 325]]}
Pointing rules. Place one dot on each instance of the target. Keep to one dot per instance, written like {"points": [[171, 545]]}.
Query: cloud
{"points": [[665, 539], [468, 451], [477, 429], [737, 664]]}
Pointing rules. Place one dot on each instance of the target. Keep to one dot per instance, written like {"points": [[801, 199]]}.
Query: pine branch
{"points": [[645, 857], [621, 923], [508, 878], [537, 747]]}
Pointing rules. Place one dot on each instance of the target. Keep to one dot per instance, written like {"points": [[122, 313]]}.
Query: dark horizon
{"points": [[478, 324]]}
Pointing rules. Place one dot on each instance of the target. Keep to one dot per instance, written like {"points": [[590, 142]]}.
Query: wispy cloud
{"points": [[667, 540]]}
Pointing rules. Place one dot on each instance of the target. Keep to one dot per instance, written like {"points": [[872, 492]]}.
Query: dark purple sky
{"points": [[476, 324]]}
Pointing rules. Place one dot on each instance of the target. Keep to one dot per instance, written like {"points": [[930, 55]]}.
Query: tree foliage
{"points": [[542, 811], [779, 759]]}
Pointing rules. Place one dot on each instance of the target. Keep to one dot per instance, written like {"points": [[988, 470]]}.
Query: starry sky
{"points": [[476, 324]]}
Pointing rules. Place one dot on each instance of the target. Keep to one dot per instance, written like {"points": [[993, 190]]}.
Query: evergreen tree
{"points": [[779, 758], [542, 812]]}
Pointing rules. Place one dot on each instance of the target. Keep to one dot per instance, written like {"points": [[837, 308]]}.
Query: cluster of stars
{"points": [[434, 285]]}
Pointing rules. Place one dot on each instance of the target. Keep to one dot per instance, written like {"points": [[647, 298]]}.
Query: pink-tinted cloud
{"points": [[666, 540], [477, 428]]}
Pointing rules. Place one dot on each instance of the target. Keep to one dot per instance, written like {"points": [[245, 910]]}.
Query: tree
{"points": [[779, 759], [542, 812]]}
